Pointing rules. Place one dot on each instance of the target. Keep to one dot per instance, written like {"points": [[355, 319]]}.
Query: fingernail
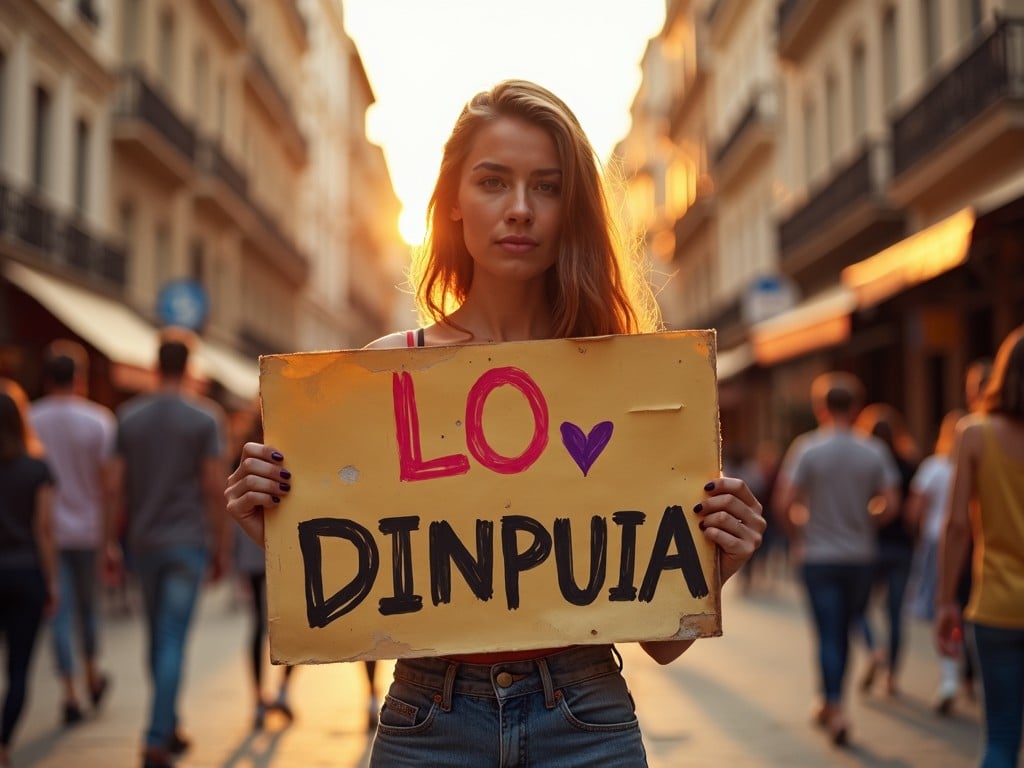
{"points": [[259, 507], [285, 486], [702, 525], [285, 474], [277, 456], [710, 486], [698, 508], [275, 499]]}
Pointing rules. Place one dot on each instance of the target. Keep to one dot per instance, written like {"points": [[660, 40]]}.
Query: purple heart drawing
{"points": [[585, 449]]}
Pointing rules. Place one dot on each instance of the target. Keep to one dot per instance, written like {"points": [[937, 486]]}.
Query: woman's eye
{"points": [[491, 183], [549, 188]]}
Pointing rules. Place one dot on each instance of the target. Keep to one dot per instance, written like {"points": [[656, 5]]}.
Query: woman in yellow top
{"points": [[988, 458]]}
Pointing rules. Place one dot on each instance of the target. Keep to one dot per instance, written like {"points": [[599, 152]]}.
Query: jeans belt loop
{"points": [[545, 679], [449, 686], [618, 657]]}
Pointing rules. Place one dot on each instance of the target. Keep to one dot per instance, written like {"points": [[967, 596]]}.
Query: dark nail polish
{"points": [[277, 456], [259, 507], [275, 499], [285, 486], [710, 486], [698, 508], [285, 474], [702, 525]]}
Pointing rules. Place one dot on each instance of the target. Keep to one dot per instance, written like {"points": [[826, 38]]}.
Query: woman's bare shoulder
{"points": [[396, 340]]}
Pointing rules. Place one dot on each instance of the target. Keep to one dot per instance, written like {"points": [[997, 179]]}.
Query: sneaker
{"points": [[178, 743], [945, 697], [72, 714], [156, 758], [97, 693]]}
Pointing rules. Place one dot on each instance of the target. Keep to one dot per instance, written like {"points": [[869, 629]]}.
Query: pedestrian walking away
{"points": [[521, 246], [895, 555], [78, 436], [170, 469], [834, 473], [28, 556]]}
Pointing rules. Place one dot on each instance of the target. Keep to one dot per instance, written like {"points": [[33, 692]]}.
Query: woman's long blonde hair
{"points": [[596, 286]]}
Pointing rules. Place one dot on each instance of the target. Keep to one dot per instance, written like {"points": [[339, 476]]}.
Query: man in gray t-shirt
{"points": [[170, 472], [834, 475]]}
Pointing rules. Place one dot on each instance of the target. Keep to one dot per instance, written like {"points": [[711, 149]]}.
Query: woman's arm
{"points": [[956, 534], [732, 519], [45, 542]]}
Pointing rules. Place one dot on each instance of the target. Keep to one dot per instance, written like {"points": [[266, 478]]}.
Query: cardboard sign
{"points": [[491, 497]]}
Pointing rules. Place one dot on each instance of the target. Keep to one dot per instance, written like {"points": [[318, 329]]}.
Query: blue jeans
{"points": [[76, 573], [170, 579], [564, 710], [891, 573], [1001, 658], [838, 595]]}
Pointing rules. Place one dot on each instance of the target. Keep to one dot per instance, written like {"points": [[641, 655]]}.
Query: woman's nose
{"points": [[519, 209]]}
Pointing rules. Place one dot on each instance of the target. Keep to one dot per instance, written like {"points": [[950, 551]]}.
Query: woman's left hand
{"points": [[732, 518]]}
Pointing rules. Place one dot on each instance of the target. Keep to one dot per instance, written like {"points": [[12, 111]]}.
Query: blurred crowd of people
{"points": [[72, 469], [872, 526]]}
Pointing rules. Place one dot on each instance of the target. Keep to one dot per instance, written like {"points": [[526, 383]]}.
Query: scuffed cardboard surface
{"points": [[333, 417]]}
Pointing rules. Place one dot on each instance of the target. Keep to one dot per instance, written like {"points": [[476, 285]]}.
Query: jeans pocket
{"points": [[602, 704], [407, 710]]}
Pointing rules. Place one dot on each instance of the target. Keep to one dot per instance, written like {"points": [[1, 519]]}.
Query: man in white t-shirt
{"points": [[78, 436]]}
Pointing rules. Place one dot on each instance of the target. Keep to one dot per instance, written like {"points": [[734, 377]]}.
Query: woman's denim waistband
{"points": [[544, 673]]}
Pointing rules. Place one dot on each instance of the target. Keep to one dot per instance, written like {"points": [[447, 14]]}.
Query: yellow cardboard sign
{"points": [[491, 497]]}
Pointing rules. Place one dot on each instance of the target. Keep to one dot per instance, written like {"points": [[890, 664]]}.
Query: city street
{"points": [[739, 700]]}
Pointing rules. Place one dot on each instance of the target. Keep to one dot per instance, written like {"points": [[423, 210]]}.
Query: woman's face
{"points": [[510, 200]]}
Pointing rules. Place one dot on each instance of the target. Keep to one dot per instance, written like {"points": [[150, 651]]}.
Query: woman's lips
{"points": [[517, 244]]}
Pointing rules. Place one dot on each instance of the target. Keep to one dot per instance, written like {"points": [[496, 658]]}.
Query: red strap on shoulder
{"points": [[410, 338]]}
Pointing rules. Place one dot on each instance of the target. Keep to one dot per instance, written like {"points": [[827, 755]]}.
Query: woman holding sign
{"points": [[521, 247]]}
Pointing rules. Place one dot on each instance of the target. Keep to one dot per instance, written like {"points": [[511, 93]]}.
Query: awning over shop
{"points": [[733, 361], [913, 260], [108, 325], [239, 375], [818, 322], [129, 341]]}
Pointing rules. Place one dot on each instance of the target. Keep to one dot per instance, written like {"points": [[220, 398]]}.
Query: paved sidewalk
{"points": [[739, 700]]}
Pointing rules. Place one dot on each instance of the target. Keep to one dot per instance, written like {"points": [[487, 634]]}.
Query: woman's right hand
{"points": [[259, 483]]}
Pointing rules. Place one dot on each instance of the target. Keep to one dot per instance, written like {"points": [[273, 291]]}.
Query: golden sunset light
{"points": [[425, 59]]}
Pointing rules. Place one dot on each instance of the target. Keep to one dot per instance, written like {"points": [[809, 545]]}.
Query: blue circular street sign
{"points": [[183, 303]]}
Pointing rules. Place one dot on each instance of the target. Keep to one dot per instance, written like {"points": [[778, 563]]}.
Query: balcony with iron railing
{"points": [[61, 242], [753, 131], [992, 73], [138, 103], [848, 212], [211, 161]]}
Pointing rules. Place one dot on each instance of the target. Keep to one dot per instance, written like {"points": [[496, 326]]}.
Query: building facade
{"points": [[174, 162], [870, 210]]}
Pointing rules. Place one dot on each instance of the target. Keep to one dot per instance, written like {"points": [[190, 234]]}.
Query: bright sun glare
{"points": [[425, 59]]}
